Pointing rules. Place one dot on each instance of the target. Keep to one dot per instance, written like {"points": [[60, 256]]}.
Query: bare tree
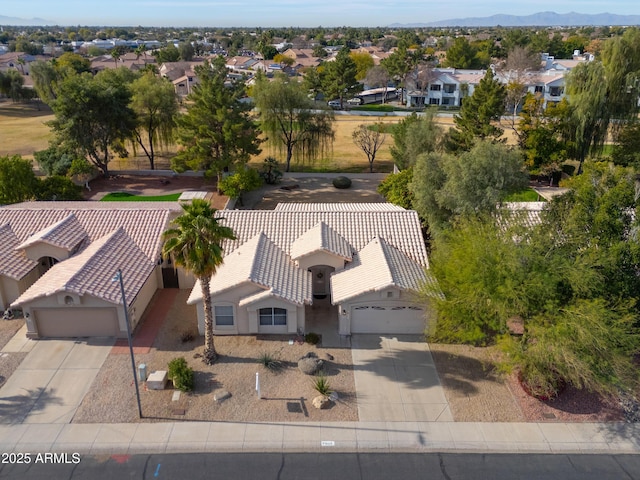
{"points": [[378, 77], [421, 76], [369, 138], [523, 59]]}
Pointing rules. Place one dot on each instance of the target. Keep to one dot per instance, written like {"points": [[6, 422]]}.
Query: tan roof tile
{"points": [[92, 271], [13, 264], [321, 238], [261, 262], [67, 234], [337, 207], [376, 267]]}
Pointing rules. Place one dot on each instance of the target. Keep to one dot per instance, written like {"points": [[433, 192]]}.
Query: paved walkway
{"points": [[314, 437], [49, 384], [396, 380]]}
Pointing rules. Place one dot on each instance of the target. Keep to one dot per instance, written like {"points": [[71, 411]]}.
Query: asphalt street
{"points": [[310, 466]]}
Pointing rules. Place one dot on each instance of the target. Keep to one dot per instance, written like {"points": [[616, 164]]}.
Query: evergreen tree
{"points": [[484, 106], [339, 77]]}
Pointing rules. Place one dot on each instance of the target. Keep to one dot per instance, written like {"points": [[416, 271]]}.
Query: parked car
{"points": [[334, 103]]}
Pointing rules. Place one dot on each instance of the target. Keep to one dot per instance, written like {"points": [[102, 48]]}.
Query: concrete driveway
{"points": [[396, 380], [52, 380]]}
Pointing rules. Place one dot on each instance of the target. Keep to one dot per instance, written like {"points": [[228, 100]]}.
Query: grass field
{"points": [[23, 131], [528, 195], [22, 128], [129, 197]]}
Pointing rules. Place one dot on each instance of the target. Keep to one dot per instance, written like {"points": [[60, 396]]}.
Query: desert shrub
{"points": [[321, 385], [187, 336], [341, 182], [312, 338], [181, 374], [268, 361], [270, 172]]}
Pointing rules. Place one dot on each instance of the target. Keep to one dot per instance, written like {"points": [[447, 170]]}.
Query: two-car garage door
{"points": [[76, 322], [387, 318]]}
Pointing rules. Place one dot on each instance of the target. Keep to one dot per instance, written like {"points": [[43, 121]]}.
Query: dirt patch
{"points": [[311, 190], [475, 390], [9, 361], [287, 392], [153, 185], [478, 392]]}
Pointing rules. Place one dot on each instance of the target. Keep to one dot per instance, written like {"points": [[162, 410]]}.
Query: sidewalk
{"points": [[180, 437]]}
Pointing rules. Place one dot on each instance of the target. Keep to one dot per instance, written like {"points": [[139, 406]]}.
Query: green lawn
{"points": [[130, 197], [528, 195]]}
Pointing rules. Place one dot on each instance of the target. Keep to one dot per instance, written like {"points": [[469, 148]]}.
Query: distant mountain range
{"points": [[23, 21], [541, 19]]}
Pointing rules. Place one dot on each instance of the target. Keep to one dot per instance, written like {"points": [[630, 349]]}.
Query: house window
{"points": [[224, 315], [556, 91], [435, 87], [538, 89], [273, 316], [450, 88], [434, 101]]}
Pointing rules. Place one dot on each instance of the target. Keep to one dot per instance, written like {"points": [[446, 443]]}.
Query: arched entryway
{"points": [[322, 317], [45, 263]]}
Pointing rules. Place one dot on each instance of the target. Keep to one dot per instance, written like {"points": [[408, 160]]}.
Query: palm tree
{"points": [[115, 54], [195, 244]]}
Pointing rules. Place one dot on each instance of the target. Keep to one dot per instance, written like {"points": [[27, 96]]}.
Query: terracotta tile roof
{"points": [[67, 234], [144, 222], [91, 272], [400, 229], [337, 207], [261, 262], [321, 238], [376, 267], [13, 264]]}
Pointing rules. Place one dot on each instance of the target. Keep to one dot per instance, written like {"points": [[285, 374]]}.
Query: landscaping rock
{"points": [[310, 365], [342, 182], [221, 395], [321, 402], [309, 355]]}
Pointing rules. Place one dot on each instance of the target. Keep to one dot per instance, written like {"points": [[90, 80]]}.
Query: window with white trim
{"points": [[224, 315], [273, 316]]}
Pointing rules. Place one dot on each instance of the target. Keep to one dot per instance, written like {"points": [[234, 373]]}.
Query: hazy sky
{"points": [[278, 13]]}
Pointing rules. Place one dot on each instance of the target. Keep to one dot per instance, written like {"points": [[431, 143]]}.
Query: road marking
{"points": [[157, 471]]}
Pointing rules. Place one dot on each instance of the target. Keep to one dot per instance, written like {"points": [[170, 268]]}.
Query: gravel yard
{"points": [[287, 392], [477, 392], [9, 361]]}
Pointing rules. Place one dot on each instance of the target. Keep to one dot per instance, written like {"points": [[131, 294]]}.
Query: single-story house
{"points": [[363, 261], [58, 261]]}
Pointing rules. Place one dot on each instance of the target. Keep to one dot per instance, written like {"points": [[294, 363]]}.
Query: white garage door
{"points": [[76, 322], [381, 318]]}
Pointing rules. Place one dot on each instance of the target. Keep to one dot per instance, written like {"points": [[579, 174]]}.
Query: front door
{"points": [[170, 278]]}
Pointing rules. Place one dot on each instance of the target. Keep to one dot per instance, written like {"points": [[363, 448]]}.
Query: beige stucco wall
{"points": [[139, 304], [41, 249], [321, 258], [246, 317], [9, 291]]}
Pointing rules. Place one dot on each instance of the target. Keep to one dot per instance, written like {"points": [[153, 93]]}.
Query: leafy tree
{"points": [[571, 280], [414, 135], [18, 183], [268, 52], [369, 138], [11, 85], [244, 179], [195, 243], [484, 106], [72, 61], [626, 151], [319, 51], [400, 63], [290, 119], [446, 187], [58, 188], [462, 55], [45, 77], [155, 104], [55, 160], [339, 78], [92, 116], [395, 188], [270, 171], [167, 54], [217, 131], [186, 51], [363, 61]]}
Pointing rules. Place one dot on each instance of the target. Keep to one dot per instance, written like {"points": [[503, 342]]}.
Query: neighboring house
{"points": [[363, 262], [302, 57], [58, 261], [130, 61], [449, 86], [17, 61]]}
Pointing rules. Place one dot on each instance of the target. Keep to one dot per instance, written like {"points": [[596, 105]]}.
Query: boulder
{"points": [[321, 402], [310, 365]]}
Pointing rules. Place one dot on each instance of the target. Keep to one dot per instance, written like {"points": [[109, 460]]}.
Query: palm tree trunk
{"points": [[210, 354]]}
